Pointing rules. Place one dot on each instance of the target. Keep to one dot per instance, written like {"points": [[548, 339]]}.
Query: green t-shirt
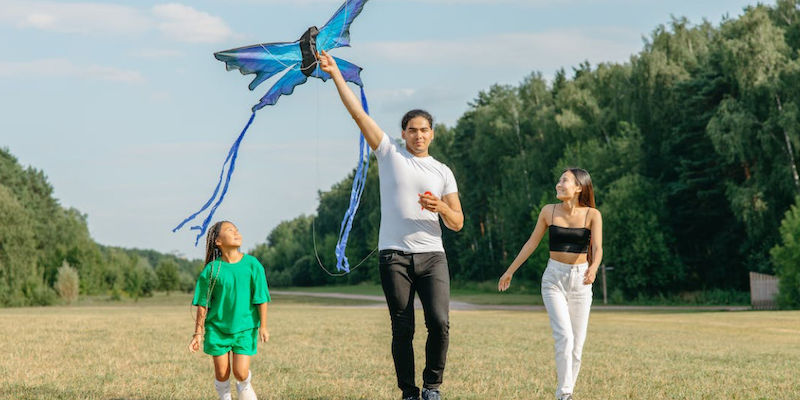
{"points": [[236, 289]]}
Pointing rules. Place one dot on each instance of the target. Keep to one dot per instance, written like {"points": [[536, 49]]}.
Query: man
{"points": [[415, 191]]}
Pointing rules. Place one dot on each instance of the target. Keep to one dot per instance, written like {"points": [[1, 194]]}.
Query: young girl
{"points": [[576, 240], [231, 298]]}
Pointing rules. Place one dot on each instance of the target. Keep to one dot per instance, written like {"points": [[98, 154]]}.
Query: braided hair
{"points": [[212, 251]]}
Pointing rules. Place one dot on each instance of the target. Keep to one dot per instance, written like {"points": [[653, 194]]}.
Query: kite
{"points": [[299, 60]]}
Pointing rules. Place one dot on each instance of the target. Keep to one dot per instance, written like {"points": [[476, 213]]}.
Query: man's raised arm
{"points": [[369, 128]]}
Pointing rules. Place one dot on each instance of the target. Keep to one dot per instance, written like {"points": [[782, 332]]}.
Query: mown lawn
{"points": [[326, 350]]}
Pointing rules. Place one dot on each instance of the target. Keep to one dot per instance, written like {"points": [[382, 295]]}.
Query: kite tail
{"points": [[359, 181], [232, 154]]}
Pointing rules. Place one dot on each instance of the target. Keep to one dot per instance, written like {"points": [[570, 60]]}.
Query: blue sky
{"points": [[127, 112]]}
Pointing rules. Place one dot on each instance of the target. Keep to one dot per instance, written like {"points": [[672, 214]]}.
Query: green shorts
{"points": [[217, 343]]}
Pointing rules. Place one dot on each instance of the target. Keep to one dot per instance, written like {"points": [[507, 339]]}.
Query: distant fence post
{"points": [[763, 290], [605, 291]]}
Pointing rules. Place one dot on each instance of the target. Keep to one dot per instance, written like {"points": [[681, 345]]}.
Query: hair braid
{"points": [[212, 251]]}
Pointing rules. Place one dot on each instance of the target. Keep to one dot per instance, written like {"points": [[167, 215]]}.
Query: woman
{"points": [[576, 249]]}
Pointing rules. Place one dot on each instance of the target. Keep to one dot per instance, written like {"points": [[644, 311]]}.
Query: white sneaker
{"points": [[247, 392], [223, 389]]}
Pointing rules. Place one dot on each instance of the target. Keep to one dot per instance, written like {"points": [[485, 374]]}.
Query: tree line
{"points": [[45, 246], [692, 146]]}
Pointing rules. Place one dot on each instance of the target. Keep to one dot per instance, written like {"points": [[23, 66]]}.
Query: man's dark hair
{"points": [[414, 114]]}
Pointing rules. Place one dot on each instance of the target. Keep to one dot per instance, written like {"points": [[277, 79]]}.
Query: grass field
{"points": [[483, 295], [330, 350]]}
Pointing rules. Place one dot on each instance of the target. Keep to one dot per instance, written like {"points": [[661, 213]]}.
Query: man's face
{"points": [[418, 136]]}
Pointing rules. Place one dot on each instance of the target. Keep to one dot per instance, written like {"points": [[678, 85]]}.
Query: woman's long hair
{"points": [[586, 198]]}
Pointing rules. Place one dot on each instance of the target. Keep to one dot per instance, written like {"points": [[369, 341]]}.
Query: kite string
{"points": [[281, 62], [358, 186]]}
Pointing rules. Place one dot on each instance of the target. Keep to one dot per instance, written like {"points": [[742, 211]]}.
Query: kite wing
{"points": [[350, 72], [336, 32], [264, 60], [285, 85]]}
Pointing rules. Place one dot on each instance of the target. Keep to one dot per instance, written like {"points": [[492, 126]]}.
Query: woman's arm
{"points": [[525, 252], [369, 128], [597, 247]]}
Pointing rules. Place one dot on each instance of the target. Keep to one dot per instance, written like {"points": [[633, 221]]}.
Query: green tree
{"points": [[635, 239], [786, 257], [19, 277], [140, 280], [168, 276], [67, 283]]}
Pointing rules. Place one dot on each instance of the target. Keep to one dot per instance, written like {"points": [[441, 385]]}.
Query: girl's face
{"points": [[567, 187], [228, 237]]}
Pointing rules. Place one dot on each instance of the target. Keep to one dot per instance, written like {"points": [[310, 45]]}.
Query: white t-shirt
{"points": [[404, 224]]}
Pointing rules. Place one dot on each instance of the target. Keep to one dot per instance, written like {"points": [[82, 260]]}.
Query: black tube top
{"points": [[569, 240]]}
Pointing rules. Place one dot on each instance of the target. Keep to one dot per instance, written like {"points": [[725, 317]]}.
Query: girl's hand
{"points": [[588, 277], [263, 334], [194, 345], [327, 63], [505, 282]]}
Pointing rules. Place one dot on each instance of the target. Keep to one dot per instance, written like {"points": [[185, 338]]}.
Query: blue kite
{"points": [[299, 60]]}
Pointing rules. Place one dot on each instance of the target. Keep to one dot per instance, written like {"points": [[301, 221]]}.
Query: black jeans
{"points": [[402, 275]]}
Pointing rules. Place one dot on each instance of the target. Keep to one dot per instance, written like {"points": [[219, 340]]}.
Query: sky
{"points": [[125, 109]]}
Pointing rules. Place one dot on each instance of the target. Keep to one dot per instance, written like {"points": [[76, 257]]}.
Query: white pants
{"points": [[567, 301]]}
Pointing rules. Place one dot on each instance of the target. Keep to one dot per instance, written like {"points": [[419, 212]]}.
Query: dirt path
{"points": [[380, 302]]}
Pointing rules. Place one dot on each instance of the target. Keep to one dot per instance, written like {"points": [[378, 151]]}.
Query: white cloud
{"points": [[156, 53], [175, 21], [58, 67], [453, 2], [82, 18], [543, 50], [499, 2], [185, 24]]}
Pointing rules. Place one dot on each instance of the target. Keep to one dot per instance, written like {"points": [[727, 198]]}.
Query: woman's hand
{"points": [[194, 345], [505, 281], [588, 277], [263, 334], [327, 63]]}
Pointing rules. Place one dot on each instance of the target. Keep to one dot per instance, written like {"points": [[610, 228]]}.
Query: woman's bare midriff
{"points": [[568, 258]]}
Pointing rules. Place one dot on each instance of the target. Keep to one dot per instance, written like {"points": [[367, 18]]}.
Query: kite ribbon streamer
{"points": [[359, 181], [232, 154]]}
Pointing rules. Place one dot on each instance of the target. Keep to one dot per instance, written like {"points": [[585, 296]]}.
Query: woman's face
{"points": [[567, 187], [228, 237]]}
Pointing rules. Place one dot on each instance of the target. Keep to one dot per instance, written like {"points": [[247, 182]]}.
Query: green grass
{"points": [[370, 289], [473, 295], [137, 350], [527, 293]]}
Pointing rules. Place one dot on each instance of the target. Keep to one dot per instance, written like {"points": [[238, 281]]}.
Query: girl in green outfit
{"points": [[231, 298]]}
